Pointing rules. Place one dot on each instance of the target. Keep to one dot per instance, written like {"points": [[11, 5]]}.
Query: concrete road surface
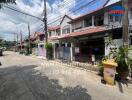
{"points": [[30, 78]]}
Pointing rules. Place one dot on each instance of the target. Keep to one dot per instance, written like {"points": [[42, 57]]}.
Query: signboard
{"points": [[117, 10]]}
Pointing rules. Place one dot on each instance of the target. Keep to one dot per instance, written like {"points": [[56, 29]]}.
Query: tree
{"points": [[7, 1]]}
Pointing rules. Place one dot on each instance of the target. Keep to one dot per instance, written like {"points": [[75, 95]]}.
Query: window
{"points": [[115, 18], [131, 13], [41, 37], [88, 22], [99, 20], [50, 34], [66, 29], [58, 32], [63, 45], [130, 30], [78, 25], [118, 18], [69, 45], [111, 18]]}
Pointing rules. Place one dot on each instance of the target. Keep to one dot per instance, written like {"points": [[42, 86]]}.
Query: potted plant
{"points": [[124, 62]]}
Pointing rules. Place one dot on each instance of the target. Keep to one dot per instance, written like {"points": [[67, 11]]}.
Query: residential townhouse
{"points": [[85, 38], [40, 47]]}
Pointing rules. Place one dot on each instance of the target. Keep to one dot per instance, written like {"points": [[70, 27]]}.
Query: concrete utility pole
{"points": [[125, 23], [17, 43], [45, 22], [21, 39], [29, 42]]}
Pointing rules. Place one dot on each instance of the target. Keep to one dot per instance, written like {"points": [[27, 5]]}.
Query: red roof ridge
{"points": [[51, 28]]}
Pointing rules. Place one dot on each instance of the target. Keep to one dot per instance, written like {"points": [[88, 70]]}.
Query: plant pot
{"points": [[123, 72]]}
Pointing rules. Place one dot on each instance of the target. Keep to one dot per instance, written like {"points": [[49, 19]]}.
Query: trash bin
{"points": [[109, 71]]}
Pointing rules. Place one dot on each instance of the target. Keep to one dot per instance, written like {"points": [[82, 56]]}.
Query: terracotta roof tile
{"points": [[86, 31], [38, 33], [53, 28]]}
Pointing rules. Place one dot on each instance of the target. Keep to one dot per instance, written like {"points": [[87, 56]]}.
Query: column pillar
{"points": [[54, 50], [93, 21], [71, 50]]}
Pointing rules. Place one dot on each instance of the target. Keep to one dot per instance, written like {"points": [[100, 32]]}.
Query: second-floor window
{"points": [[131, 13], [88, 22], [115, 18], [50, 34], [66, 29], [41, 37], [99, 20], [58, 32], [78, 25], [130, 30]]}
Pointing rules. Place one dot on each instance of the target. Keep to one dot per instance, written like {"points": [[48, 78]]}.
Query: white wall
{"points": [[106, 18], [116, 44], [65, 23]]}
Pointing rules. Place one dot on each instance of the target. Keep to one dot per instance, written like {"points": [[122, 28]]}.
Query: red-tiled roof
{"points": [[53, 28], [64, 17], [87, 31], [53, 38], [38, 33]]}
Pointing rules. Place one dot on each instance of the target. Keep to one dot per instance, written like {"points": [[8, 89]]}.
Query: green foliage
{"points": [[49, 50], [7, 1], [123, 57], [7, 44], [101, 69]]}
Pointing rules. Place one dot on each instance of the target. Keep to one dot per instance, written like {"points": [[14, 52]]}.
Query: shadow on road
{"points": [[19, 81]]}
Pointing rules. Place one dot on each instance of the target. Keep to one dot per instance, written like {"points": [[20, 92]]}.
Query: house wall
{"points": [[78, 25], [65, 23], [106, 18], [130, 13], [81, 24], [116, 44]]}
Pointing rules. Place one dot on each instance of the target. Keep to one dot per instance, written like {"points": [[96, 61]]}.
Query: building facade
{"points": [[85, 38], [40, 49]]}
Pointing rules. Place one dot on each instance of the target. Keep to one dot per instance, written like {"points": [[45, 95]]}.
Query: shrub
{"points": [[49, 50]]}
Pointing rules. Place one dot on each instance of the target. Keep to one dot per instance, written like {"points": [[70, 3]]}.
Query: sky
{"points": [[12, 22]]}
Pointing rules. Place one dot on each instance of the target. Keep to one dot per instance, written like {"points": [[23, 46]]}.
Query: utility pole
{"points": [[29, 42], [14, 41], [125, 23], [45, 22], [21, 39], [17, 43]]}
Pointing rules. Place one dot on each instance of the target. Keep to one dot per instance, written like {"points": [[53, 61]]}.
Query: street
{"points": [[30, 78]]}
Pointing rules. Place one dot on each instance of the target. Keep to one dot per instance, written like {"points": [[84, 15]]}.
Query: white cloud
{"points": [[60, 8], [12, 21]]}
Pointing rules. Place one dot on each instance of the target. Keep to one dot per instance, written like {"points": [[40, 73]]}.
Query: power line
{"points": [[83, 6], [66, 6], [22, 12]]}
